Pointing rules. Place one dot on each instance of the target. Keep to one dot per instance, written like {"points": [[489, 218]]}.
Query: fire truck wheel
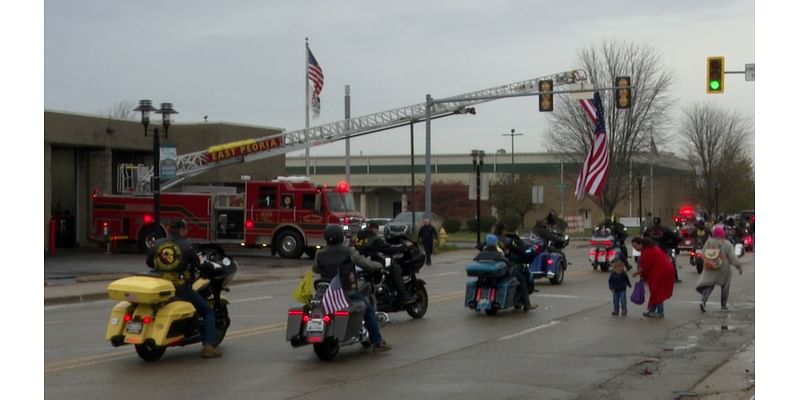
{"points": [[290, 244], [147, 235]]}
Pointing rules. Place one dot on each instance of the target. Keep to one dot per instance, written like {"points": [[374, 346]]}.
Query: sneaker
{"points": [[381, 347], [529, 307], [724, 308], [210, 351], [702, 307], [650, 314], [659, 316], [624, 312], [615, 312]]}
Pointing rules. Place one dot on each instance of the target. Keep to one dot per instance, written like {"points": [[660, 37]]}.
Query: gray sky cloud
{"points": [[243, 61]]}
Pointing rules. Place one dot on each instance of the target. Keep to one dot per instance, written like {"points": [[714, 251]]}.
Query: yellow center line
{"points": [[57, 366]]}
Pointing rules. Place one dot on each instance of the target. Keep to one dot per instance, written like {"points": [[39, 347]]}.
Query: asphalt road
{"points": [[569, 348]]}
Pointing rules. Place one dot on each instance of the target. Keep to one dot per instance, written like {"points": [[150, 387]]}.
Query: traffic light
{"points": [[622, 93], [546, 95], [715, 76]]}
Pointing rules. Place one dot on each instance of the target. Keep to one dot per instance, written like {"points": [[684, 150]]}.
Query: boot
{"points": [[381, 347], [529, 307], [210, 351]]}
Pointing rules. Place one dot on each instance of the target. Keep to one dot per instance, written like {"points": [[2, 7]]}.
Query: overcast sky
{"points": [[243, 61]]}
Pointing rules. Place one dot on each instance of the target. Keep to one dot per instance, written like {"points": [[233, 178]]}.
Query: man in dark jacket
{"points": [[176, 260], [427, 235], [338, 259], [374, 244]]}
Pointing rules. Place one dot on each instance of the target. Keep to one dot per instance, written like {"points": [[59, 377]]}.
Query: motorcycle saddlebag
{"points": [[472, 286], [487, 269], [505, 292], [141, 289], [295, 322]]}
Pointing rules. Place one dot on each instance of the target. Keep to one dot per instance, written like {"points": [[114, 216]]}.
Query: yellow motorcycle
{"points": [[148, 316]]}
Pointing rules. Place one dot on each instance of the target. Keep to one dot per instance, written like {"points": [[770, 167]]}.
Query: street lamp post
{"points": [[166, 110], [146, 107], [639, 181], [512, 134], [477, 163]]}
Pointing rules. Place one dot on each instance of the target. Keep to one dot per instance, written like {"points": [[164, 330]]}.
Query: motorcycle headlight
{"points": [[226, 261]]}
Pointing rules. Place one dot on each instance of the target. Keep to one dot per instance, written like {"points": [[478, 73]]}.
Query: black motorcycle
{"points": [[380, 288]]}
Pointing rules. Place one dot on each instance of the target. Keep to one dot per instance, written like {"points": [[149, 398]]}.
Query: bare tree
{"points": [[628, 130], [717, 143], [512, 198], [119, 110]]}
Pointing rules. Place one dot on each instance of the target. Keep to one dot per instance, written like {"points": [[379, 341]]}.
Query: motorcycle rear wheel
{"points": [[326, 350], [150, 352]]}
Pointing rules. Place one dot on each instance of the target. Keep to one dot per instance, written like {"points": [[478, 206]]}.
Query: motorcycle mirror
{"points": [[226, 261]]}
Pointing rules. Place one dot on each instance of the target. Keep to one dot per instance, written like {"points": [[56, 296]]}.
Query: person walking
{"points": [[619, 283], [427, 235], [718, 257], [656, 269]]}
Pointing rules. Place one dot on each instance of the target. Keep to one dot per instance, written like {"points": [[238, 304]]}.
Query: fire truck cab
{"points": [[287, 214]]}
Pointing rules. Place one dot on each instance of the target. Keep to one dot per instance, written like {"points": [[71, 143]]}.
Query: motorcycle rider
{"points": [[506, 245], [666, 240], [620, 234], [700, 233], [491, 251], [374, 244], [175, 259], [546, 232], [327, 263]]}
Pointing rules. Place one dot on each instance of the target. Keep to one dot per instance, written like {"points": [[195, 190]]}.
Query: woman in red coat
{"points": [[656, 269]]}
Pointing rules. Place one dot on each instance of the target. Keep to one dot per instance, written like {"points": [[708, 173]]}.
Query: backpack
{"points": [[713, 259]]}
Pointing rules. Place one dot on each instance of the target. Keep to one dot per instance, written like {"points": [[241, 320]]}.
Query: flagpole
{"points": [[630, 187], [308, 172]]}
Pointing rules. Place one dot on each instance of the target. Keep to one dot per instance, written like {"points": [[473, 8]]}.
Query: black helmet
{"points": [[656, 220], [334, 234], [551, 219]]}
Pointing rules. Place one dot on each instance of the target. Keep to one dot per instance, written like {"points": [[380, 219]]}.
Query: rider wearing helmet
{"points": [[374, 245], [175, 259], [619, 233], [338, 259], [700, 233], [491, 252]]}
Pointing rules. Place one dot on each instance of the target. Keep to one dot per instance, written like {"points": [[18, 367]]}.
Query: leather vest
{"points": [[333, 260]]}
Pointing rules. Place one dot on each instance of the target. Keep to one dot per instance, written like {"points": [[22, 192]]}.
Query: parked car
{"points": [[380, 221], [402, 224]]}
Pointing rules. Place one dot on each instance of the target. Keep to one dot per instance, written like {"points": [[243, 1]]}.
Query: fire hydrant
{"points": [[442, 236]]}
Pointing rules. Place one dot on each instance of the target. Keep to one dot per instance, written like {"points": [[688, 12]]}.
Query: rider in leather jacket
{"points": [[507, 245], [374, 244], [620, 234], [490, 251], [336, 259]]}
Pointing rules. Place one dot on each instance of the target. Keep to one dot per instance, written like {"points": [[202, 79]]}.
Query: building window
{"points": [[266, 197]]}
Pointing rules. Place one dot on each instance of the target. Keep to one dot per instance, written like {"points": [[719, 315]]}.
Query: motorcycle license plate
{"points": [[483, 302], [134, 327], [314, 325]]}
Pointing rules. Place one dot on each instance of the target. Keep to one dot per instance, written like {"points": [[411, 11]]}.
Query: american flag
{"points": [[317, 78], [334, 298], [595, 168]]}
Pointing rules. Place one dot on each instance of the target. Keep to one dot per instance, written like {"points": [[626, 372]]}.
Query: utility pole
{"points": [[347, 141]]}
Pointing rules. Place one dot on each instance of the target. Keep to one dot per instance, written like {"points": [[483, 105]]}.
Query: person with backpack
{"points": [[718, 257]]}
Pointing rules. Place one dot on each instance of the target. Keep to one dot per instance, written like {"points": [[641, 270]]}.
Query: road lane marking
{"points": [[251, 299], [529, 330]]}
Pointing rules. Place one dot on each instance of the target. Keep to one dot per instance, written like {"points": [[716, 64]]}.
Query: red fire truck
{"points": [[287, 214]]}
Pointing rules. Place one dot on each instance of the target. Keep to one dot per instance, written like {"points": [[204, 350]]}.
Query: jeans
{"points": [[209, 320], [522, 288], [657, 309], [370, 319], [723, 296], [620, 298]]}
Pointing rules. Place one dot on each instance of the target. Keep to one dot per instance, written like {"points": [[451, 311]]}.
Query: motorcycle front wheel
{"points": [[223, 321]]}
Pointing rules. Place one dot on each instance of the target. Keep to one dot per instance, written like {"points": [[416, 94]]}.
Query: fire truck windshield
{"points": [[340, 202]]}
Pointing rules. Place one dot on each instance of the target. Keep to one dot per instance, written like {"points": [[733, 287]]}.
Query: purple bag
{"points": [[637, 296]]}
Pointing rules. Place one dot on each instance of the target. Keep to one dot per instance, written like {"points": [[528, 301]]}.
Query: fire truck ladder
{"points": [[136, 178]]}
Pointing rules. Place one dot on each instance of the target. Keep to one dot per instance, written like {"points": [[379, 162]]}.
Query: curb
{"points": [[89, 297]]}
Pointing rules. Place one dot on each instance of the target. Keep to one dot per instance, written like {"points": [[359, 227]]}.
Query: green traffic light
{"points": [[714, 85]]}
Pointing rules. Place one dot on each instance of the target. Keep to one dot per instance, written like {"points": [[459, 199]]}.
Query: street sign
{"points": [[587, 86], [750, 72], [484, 188], [168, 166], [537, 195]]}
